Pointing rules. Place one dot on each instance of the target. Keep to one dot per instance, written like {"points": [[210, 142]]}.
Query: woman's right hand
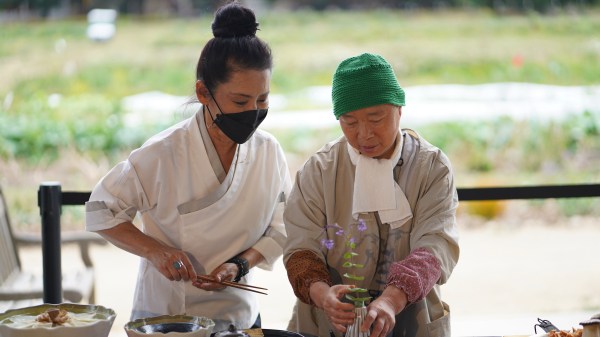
{"points": [[327, 298], [225, 272]]}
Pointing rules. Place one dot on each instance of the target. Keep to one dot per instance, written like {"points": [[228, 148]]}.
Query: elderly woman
{"points": [[398, 185]]}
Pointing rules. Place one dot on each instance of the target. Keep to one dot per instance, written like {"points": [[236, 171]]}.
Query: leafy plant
{"points": [[356, 294]]}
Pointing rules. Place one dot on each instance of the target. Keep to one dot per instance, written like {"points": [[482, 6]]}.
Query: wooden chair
{"points": [[19, 288]]}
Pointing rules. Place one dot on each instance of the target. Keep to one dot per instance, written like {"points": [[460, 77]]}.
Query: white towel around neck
{"points": [[375, 189]]}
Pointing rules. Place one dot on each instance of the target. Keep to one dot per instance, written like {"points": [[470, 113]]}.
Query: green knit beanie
{"points": [[363, 81]]}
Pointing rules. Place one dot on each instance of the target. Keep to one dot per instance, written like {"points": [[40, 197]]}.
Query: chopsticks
{"points": [[233, 284]]}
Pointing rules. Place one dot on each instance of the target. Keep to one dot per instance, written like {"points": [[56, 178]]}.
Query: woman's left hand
{"points": [[225, 272], [381, 313]]}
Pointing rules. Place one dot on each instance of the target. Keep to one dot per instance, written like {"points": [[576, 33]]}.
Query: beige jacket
{"points": [[322, 195]]}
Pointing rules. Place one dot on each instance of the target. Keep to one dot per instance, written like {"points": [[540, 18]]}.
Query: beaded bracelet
{"points": [[243, 267]]}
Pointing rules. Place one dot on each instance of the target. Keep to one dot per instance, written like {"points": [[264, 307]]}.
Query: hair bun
{"points": [[234, 20]]}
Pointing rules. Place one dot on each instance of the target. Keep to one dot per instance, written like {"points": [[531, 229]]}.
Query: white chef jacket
{"points": [[170, 182]]}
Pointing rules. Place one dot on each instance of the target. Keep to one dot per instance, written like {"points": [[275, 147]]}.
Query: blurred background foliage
{"points": [[44, 8], [61, 95]]}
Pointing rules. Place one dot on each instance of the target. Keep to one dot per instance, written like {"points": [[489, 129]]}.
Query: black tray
{"points": [[280, 333], [275, 333]]}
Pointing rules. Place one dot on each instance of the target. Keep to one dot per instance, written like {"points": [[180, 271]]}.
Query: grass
{"points": [[425, 48]]}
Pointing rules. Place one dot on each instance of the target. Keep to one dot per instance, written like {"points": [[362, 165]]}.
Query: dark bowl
{"points": [[168, 327], [180, 325]]}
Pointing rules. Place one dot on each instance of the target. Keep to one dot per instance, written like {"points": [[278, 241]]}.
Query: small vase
{"points": [[354, 329]]}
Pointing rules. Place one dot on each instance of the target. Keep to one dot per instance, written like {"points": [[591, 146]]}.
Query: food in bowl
{"points": [[564, 333], [177, 325], [54, 316], [64, 320]]}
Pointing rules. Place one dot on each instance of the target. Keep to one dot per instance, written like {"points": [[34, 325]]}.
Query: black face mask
{"points": [[239, 126]]}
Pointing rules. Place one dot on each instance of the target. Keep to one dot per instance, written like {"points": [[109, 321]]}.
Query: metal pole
{"points": [[50, 204]]}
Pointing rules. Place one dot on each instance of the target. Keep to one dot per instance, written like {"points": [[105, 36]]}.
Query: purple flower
{"points": [[350, 242], [339, 231], [327, 243], [362, 225]]}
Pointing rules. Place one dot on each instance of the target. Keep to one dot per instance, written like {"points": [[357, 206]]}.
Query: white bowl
{"points": [[96, 321], [170, 325]]}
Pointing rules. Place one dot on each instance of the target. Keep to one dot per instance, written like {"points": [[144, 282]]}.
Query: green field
{"points": [[83, 134], [424, 47]]}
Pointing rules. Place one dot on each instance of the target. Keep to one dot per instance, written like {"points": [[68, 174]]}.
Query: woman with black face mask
{"points": [[210, 190]]}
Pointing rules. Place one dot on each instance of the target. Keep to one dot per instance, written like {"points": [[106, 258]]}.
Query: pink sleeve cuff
{"points": [[416, 274]]}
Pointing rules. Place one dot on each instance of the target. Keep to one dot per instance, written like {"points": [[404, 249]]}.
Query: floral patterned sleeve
{"points": [[416, 274], [304, 268]]}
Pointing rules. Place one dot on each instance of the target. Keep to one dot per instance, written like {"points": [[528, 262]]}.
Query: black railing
{"points": [[528, 192], [464, 194], [50, 204], [51, 199]]}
